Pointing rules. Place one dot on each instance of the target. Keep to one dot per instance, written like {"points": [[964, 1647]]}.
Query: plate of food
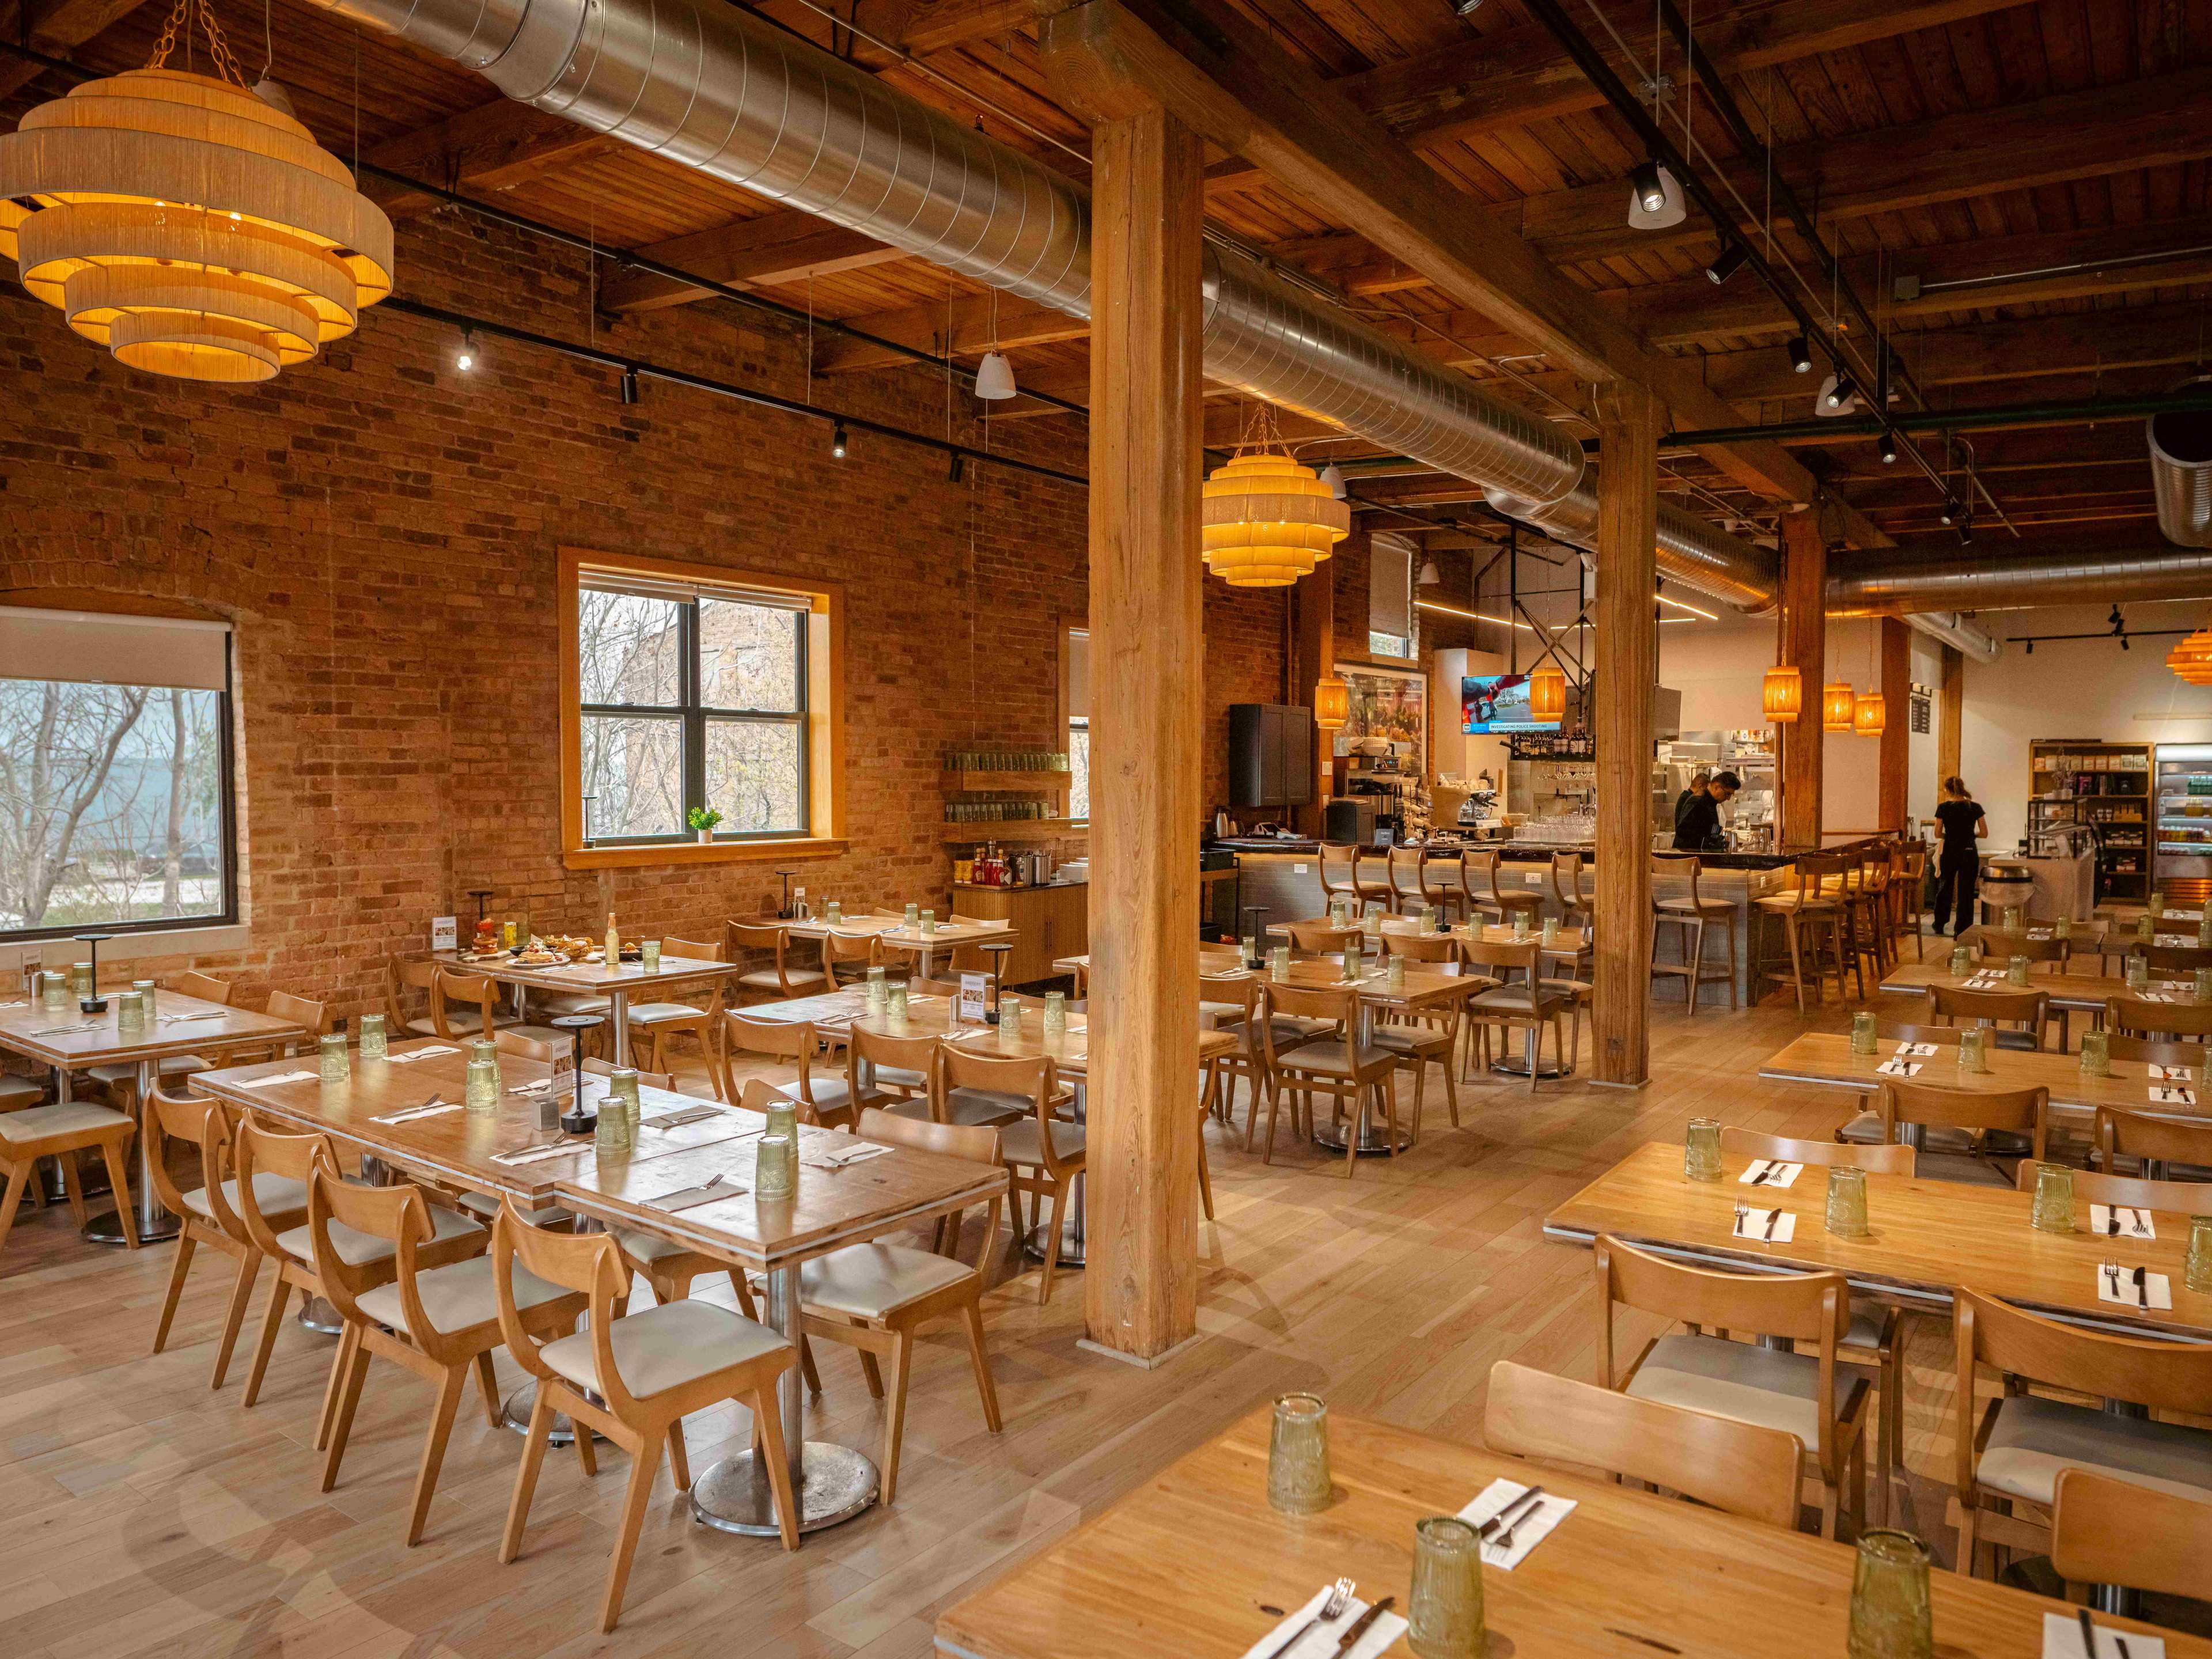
{"points": [[539, 958]]}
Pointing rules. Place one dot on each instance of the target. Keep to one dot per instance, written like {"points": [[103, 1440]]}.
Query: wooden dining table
{"points": [[1926, 1240], [69, 1039], [2080, 994], [1626, 1573], [617, 984], [890, 1191], [897, 933]]}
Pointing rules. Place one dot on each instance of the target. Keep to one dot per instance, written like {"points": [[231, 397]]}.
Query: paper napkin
{"points": [[837, 1157], [2169, 1073], [414, 1054], [533, 1154], [1896, 1068], [1915, 1050], [2134, 1223], [1778, 1175], [1751, 1224], [1320, 1642], [689, 1115], [1498, 1497], [2156, 1293], [433, 1108], [281, 1077], [2062, 1639], [690, 1197], [2171, 1095]]}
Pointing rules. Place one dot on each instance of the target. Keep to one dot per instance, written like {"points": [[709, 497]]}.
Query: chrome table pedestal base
{"points": [[514, 1413], [1374, 1139], [1071, 1229], [318, 1315], [836, 1483]]}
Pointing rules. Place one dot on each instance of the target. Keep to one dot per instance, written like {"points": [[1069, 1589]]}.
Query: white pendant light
{"points": [[1430, 576], [995, 378], [1333, 476], [1655, 198]]}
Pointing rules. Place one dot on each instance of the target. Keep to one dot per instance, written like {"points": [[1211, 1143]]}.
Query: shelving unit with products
{"points": [[2106, 785], [1023, 795]]}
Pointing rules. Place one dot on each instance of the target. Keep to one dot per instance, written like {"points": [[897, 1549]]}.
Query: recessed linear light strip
{"points": [[1501, 622]]}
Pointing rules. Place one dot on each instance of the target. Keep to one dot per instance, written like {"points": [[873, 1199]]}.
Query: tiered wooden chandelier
{"points": [[2191, 660], [188, 224], [1268, 520]]}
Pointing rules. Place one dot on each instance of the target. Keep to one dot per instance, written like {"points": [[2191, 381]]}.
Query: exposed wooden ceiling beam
{"points": [[782, 246], [57, 29], [949, 23], [489, 149], [964, 327]]}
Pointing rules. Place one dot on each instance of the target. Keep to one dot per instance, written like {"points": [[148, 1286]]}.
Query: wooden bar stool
{"points": [[1809, 916], [1501, 903], [1445, 897], [1339, 862], [1367, 886], [1403, 865], [1692, 913], [1567, 889]]}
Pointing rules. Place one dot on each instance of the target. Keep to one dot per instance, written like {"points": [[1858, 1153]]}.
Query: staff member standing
{"points": [[1698, 826], [1959, 866]]}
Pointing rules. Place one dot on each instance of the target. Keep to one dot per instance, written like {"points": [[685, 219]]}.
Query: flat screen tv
{"points": [[1498, 702]]}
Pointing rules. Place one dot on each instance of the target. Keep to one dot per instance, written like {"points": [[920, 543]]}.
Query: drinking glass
{"points": [[621, 1090], [1351, 958], [1394, 969], [2062, 928], [331, 1063], [2016, 971], [1890, 1615], [130, 1014], [2012, 919], [1701, 1150], [2204, 984], [1251, 947], [55, 989], [929, 924], [2096, 1053], [1962, 962], [507, 935], [775, 1166], [145, 988], [895, 1002], [1443, 1614], [2138, 973], [480, 1095], [612, 1134], [1428, 920], [879, 993], [1970, 1050], [1055, 1013], [374, 1045], [648, 955], [1847, 1201], [1520, 926], [2054, 1200], [913, 914], [2197, 1266], [80, 979], [1863, 1037], [2204, 927], [2144, 927], [1298, 1455], [1278, 963], [782, 1116], [1010, 1024], [1551, 934]]}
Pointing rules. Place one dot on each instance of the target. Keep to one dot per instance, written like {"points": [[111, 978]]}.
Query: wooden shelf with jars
{"points": [[980, 829], [1024, 790]]}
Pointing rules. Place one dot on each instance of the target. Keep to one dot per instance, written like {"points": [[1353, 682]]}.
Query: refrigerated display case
{"points": [[2182, 849]]}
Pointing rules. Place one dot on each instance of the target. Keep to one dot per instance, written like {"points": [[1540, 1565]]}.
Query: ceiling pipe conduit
{"points": [[2181, 471], [1957, 632], [2024, 576], [1690, 550]]}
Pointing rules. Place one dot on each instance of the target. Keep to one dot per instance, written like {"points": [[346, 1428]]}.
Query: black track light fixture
{"points": [[1730, 262], [1965, 529], [837, 444], [1840, 393], [1650, 189], [1801, 355], [1950, 511], [465, 358], [959, 467], [1888, 449], [628, 387]]}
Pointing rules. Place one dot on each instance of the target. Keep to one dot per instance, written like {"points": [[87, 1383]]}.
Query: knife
{"points": [[2142, 1289], [1490, 1528], [1349, 1639]]}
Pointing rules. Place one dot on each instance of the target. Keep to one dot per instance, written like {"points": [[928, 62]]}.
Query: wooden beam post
{"points": [[1950, 714], [1897, 723], [1314, 605], [1804, 628], [1627, 670], [1140, 1287]]}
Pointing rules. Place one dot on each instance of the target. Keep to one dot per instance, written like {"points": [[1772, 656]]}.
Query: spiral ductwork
{"points": [[2024, 575], [2181, 472], [1690, 550]]}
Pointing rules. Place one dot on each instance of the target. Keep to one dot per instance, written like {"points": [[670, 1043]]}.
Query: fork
{"points": [[1503, 1542], [2112, 1273], [1742, 1215], [1340, 1596]]}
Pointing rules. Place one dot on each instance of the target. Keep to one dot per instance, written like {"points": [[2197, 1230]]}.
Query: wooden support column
{"points": [[1804, 626], [1147, 673], [1627, 670], [1950, 714], [1897, 723], [1314, 603]]}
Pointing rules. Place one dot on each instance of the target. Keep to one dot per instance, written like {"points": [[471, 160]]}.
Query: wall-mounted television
{"points": [[1498, 702]]}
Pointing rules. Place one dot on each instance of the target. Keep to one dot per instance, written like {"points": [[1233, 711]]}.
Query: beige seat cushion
{"points": [[665, 1347], [872, 1281], [1329, 1059], [174, 1066], [898, 1077], [1684, 907], [568, 1004], [459, 1023], [1018, 1143], [1516, 999], [648, 1247], [976, 1106], [1741, 1381], [356, 1248], [2034, 1439], [459, 1296], [660, 1013], [802, 981], [543, 1216], [274, 1195], [1413, 1040], [17, 1092], [1213, 1016], [67, 1118], [1867, 1325]]}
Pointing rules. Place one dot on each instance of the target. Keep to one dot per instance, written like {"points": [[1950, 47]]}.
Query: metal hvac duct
{"points": [[2181, 472], [1690, 550], [2024, 575], [1957, 632]]}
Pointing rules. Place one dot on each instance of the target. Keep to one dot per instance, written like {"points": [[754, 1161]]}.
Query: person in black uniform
{"points": [[1698, 826], [1959, 866], [1698, 785]]}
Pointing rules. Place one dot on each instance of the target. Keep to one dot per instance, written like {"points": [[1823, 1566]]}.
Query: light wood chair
{"points": [[208, 1212], [1402, 866], [2190, 1198], [776, 980], [2009, 1455], [1320, 938], [61, 1131], [633, 1377], [1337, 862], [2172, 961], [2153, 1141], [1691, 914], [897, 1073], [847, 957], [873, 1297], [826, 1099], [1044, 1157], [1874, 1344], [2000, 945], [414, 982], [1743, 1468], [1490, 899], [1800, 1393], [1907, 888], [976, 1087], [1427, 1036], [1525, 1005], [1365, 1076], [1954, 1127], [1371, 884], [1812, 921], [1575, 910], [1239, 991], [2133, 1016], [2104, 1531], [655, 1022], [441, 1323], [2015, 1018], [2154, 1051], [1445, 897], [467, 1006]]}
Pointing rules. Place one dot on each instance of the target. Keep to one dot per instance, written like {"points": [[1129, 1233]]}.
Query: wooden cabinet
{"points": [[1049, 922], [1271, 755]]}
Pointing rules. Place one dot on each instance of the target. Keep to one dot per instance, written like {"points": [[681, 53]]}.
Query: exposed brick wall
{"points": [[383, 532]]}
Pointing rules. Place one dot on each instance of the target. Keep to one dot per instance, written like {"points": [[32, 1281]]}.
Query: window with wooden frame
{"points": [[700, 713]]}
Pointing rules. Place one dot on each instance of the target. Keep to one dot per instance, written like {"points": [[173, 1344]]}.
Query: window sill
{"points": [[693, 852], [217, 937]]}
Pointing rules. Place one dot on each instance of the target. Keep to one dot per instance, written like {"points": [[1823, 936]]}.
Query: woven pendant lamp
{"points": [[1269, 520], [192, 228], [2192, 660], [1782, 695], [1547, 693], [1332, 703], [1869, 714], [1837, 706]]}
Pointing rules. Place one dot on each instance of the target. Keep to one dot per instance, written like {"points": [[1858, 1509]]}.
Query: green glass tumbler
{"points": [[648, 955], [1278, 963], [1445, 1612], [2204, 984], [1055, 1013], [480, 1093], [1962, 962], [1970, 1051], [782, 1116], [1862, 1033], [2016, 972], [1351, 970], [375, 1044], [2053, 1211], [913, 914], [1298, 1455], [1891, 1618], [332, 1062], [2062, 928], [1847, 1201], [130, 1014], [145, 988], [775, 1166], [2198, 1265], [623, 1094], [1394, 971], [610, 1132], [2096, 1053], [1701, 1150], [2012, 919], [895, 1004], [54, 990]]}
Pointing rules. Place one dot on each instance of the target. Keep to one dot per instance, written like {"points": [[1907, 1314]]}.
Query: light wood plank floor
{"points": [[147, 1515]]}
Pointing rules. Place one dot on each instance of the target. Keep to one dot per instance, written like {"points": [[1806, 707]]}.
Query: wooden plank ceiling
{"points": [[2063, 146]]}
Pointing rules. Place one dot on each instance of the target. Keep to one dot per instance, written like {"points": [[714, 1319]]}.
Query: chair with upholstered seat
{"points": [[1743, 1468], [1526, 1004], [762, 953], [1401, 869], [466, 1005], [1337, 862], [439, 1322], [655, 1022], [1691, 913], [2135, 1017], [1574, 900], [1248, 1060], [978, 1087], [208, 1214], [633, 1377], [875, 1296], [1429, 1034], [2009, 1455], [61, 1131], [2109, 1531], [1812, 919], [1487, 898], [898, 1072], [1807, 1394], [412, 982], [1362, 1077], [1043, 1154], [1320, 938], [847, 957], [2154, 1051], [1440, 888], [824, 1097]]}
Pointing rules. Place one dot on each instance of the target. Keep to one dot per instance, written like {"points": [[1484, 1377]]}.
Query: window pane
{"points": [[628, 648], [635, 767], [1079, 762], [111, 805], [752, 776], [748, 656]]}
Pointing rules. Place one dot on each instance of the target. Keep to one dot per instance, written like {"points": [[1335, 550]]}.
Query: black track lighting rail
{"points": [[2083, 410]]}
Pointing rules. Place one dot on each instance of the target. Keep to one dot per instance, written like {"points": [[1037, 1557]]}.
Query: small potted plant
{"points": [[703, 820]]}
